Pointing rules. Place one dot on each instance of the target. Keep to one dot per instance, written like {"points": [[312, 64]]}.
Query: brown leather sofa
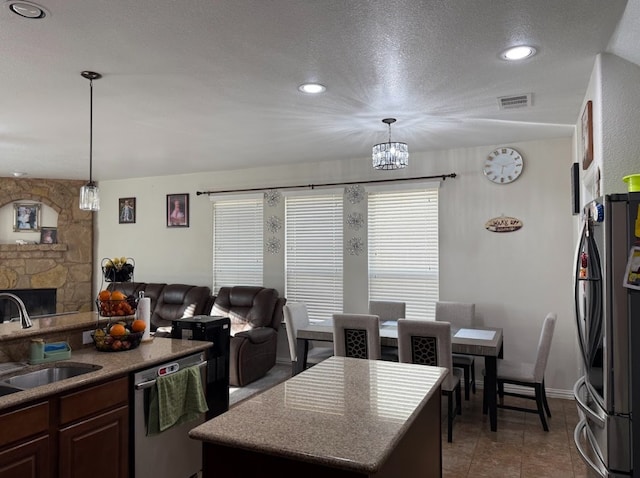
{"points": [[168, 301], [255, 314]]}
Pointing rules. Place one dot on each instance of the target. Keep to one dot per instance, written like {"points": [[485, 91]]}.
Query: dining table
{"points": [[479, 341]]}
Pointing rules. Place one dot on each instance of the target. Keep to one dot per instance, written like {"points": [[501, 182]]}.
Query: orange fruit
{"points": [[138, 325], [104, 295], [117, 330], [117, 295]]}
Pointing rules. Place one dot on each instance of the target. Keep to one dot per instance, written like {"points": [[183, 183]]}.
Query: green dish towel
{"points": [[175, 399]]}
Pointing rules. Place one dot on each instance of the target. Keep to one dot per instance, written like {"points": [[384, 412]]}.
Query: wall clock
{"points": [[503, 166]]}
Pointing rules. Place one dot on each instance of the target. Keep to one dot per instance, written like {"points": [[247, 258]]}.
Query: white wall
{"points": [[620, 118], [614, 89], [514, 278]]}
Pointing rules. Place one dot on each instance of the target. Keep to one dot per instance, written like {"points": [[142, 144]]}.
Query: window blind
{"points": [[403, 249], [237, 243], [313, 261]]}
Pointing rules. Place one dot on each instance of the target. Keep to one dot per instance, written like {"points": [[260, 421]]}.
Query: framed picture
{"points": [[587, 135], [48, 235], [127, 210], [26, 217], [575, 188], [177, 210]]}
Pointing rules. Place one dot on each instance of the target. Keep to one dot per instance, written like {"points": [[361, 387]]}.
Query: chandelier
{"points": [[390, 155], [89, 198]]}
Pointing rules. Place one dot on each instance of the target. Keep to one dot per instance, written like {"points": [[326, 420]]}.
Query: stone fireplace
{"points": [[37, 301], [66, 266]]}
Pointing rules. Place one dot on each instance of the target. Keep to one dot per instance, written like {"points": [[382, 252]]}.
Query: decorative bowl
{"points": [[105, 342], [117, 308], [120, 271]]}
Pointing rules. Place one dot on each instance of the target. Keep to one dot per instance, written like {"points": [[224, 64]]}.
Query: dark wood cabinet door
{"points": [[97, 447], [26, 460]]}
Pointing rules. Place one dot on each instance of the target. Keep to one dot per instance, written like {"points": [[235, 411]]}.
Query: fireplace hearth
{"points": [[37, 301]]}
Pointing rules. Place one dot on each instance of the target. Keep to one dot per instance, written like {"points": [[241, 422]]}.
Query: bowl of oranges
{"points": [[115, 304], [119, 336]]}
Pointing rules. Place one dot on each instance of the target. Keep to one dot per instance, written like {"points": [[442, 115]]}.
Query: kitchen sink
{"points": [[7, 390], [44, 376]]}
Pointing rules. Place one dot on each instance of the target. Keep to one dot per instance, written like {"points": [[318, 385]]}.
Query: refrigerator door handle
{"points": [[577, 295], [582, 425], [583, 407]]}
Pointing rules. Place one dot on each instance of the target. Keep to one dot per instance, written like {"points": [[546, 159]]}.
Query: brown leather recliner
{"points": [[255, 314], [168, 301]]}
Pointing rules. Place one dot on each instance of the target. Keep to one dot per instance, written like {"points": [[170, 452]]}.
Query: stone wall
{"points": [[66, 266]]}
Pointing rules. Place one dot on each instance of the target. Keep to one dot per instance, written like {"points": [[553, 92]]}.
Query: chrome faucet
{"points": [[24, 317]]}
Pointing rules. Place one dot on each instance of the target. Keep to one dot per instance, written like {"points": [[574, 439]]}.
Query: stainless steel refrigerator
{"points": [[607, 305]]}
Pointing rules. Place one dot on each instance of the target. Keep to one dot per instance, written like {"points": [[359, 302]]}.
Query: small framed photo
{"points": [[632, 274], [48, 235], [26, 217], [177, 210], [587, 135], [127, 210]]}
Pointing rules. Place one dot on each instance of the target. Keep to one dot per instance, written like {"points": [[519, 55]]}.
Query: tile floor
{"points": [[520, 448]]}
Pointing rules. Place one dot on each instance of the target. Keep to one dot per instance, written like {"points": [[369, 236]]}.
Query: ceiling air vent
{"points": [[515, 101]]}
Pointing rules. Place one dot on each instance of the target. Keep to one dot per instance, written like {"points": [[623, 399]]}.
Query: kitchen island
{"points": [[341, 418]]}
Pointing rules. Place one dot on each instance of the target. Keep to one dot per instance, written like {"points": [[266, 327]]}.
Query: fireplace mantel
{"points": [[6, 249], [67, 266]]}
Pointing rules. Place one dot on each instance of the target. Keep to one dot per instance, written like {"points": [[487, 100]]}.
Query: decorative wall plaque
{"points": [[355, 246], [503, 224], [355, 221], [272, 197]]}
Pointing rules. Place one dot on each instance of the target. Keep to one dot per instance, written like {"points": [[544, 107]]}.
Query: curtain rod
{"points": [[313, 186]]}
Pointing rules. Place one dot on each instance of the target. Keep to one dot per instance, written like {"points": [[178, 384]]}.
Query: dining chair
{"points": [[528, 375], [461, 315], [296, 317], [427, 342], [388, 310], [356, 335]]}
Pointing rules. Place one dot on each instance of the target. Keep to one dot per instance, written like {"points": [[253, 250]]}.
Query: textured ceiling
{"points": [[204, 85]]}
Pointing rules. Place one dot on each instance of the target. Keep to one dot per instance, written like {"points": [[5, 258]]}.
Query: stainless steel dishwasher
{"points": [[170, 454]]}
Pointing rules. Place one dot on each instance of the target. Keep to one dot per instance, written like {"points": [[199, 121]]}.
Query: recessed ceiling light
{"points": [[28, 10], [312, 88], [518, 53]]}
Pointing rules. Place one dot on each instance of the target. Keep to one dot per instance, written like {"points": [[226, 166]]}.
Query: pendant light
{"points": [[89, 198], [390, 155]]}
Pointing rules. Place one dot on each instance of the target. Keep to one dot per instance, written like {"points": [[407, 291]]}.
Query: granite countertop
{"points": [[113, 364], [343, 413], [52, 324]]}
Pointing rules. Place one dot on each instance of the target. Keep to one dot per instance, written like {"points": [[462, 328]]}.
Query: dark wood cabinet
{"points": [[28, 459], [78, 434], [97, 447], [24, 442], [94, 431]]}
